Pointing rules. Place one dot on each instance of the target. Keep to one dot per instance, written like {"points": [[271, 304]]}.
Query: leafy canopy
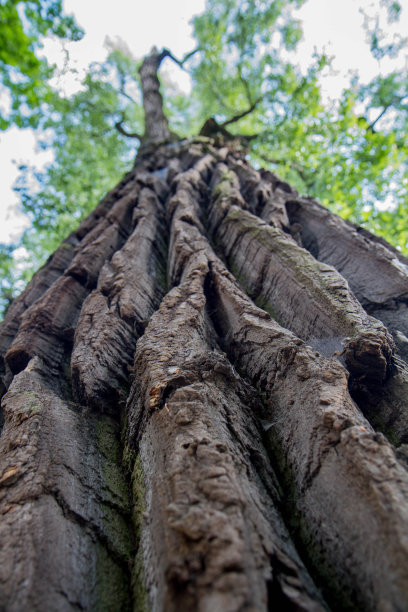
{"points": [[90, 156], [351, 153], [23, 74]]}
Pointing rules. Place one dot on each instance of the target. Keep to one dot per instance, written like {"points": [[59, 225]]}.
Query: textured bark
{"points": [[156, 125], [198, 386]]}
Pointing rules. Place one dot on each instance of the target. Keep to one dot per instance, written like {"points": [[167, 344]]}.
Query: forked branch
{"points": [[244, 113], [168, 53], [121, 129]]}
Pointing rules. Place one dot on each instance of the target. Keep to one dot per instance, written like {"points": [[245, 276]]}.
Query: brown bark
{"points": [[168, 443], [156, 125], [198, 384]]}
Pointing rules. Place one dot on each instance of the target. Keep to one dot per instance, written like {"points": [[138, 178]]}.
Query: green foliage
{"points": [[23, 74], [7, 287], [384, 42], [90, 156], [350, 154], [240, 62]]}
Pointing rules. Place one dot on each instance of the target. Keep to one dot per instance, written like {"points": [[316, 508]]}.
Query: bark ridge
{"points": [[206, 402]]}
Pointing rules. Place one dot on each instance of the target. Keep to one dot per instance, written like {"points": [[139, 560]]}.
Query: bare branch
{"points": [[396, 100], [384, 110], [168, 53], [249, 137], [121, 130], [213, 129], [244, 113], [122, 88]]}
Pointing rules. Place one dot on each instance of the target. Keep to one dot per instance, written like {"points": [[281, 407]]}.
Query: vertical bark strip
{"points": [[214, 538], [181, 427], [128, 292], [156, 124], [332, 464], [376, 272], [65, 537]]}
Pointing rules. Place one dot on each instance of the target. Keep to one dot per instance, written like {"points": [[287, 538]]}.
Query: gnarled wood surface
{"points": [[206, 403]]}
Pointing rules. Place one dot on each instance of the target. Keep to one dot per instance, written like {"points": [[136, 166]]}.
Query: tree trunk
{"points": [[201, 412]]}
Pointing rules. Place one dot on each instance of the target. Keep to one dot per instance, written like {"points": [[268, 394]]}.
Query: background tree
{"points": [[24, 76], [350, 153], [200, 414]]}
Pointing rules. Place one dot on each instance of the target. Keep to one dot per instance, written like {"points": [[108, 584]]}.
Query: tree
{"points": [[200, 414], [351, 155], [23, 75]]}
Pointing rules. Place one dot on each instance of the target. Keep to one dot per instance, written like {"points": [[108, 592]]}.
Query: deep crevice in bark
{"points": [[342, 588], [376, 271], [167, 318], [333, 323], [280, 571]]}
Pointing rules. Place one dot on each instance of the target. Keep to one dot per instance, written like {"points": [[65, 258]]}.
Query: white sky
{"points": [[335, 25]]}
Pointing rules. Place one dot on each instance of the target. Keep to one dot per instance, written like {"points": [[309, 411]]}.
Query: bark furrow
{"points": [[64, 529], [314, 301], [212, 455], [377, 273], [213, 537]]}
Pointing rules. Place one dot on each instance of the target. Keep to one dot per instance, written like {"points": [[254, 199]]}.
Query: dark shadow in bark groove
{"points": [[339, 591], [241, 452], [212, 306], [311, 299], [283, 500], [373, 402]]}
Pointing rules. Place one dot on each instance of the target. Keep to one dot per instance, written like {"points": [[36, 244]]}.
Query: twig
{"points": [[384, 110], [243, 114], [168, 53], [121, 130]]}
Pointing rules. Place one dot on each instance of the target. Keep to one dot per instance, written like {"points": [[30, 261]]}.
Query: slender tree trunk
{"points": [[201, 412], [156, 126]]}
